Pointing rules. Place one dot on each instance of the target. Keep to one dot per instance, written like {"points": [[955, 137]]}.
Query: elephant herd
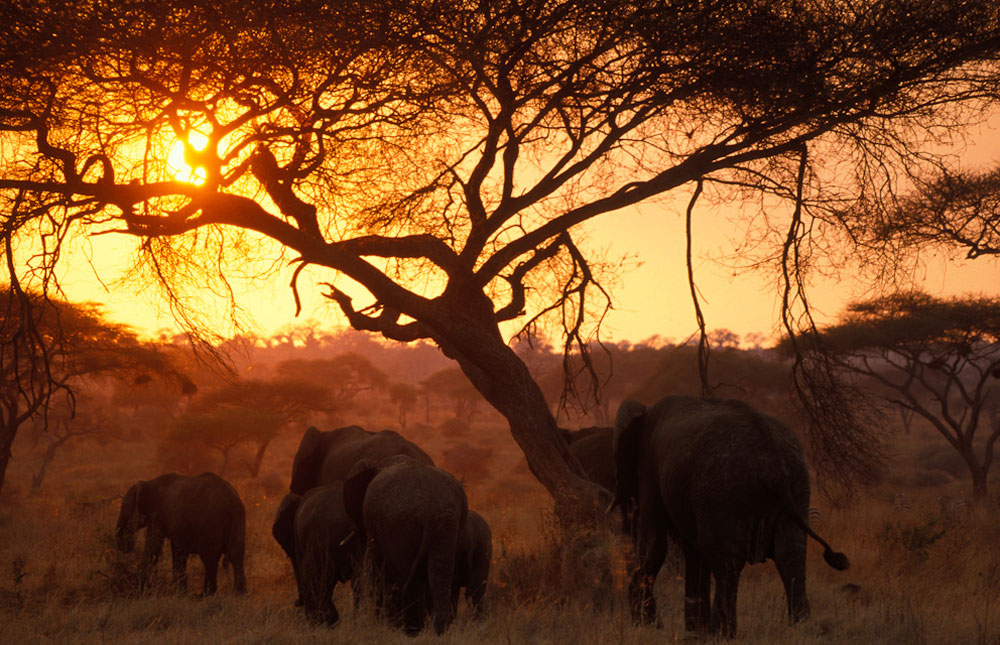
{"points": [[728, 484]]}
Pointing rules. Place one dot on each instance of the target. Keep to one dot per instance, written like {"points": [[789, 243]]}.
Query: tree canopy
{"points": [[433, 158], [936, 357]]}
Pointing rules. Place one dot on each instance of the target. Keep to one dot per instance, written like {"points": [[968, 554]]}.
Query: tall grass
{"points": [[916, 577]]}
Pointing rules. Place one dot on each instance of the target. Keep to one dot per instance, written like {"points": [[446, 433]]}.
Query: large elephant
{"points": [[202, 515], [731, 485], [413, 514], [472, 566], [327, 457], [323, 545]]}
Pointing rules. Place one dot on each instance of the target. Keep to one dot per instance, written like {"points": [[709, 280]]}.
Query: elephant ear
{"points": [[283, 528], [143, 498], [355, 487], [307, 463], [628, 438], [129, 507]]}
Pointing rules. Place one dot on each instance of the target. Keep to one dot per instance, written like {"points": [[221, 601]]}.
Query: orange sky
{"points": [[651, 299]]}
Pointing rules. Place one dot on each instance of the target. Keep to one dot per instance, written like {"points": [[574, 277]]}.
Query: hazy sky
{"points": [[652, 297]]}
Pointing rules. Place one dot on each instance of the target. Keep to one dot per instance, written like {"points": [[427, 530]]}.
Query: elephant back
{"points": [[375, 447], [327, 457], [204, 509]]}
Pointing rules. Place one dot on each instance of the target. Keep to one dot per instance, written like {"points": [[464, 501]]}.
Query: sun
{"points": [[177, 159]]}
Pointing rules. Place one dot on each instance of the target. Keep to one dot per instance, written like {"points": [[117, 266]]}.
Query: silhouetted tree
{"points": [[48, 348], [436, 158], [936, 358]]}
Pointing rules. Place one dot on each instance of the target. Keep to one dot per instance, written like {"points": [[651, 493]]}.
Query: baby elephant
{"points": [[472, 566], [320, 540], [202, 515]]}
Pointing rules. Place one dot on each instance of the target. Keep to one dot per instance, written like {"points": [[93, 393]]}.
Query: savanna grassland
{"points": [[916, 576], [919, 574]]}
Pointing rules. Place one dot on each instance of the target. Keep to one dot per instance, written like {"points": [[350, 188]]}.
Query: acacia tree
{"points": [[936, 358], [436, 157], [48, 349]]}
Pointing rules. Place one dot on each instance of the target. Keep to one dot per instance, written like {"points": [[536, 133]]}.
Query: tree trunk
{"points": [[980, 488], [39, 477], [7, 433], [504, 380]]}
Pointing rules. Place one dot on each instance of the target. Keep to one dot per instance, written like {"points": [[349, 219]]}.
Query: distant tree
{"points": [[250, 412], [89, 418], [936, 358], [452, 385], [404, 396], [344, 377], [48, 349]]}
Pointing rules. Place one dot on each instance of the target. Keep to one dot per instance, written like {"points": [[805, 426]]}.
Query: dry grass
{"points": [[915, 577]]}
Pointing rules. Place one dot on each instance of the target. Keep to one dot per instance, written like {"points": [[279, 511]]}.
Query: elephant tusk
{"points": [[347, 538], [611, 506]]}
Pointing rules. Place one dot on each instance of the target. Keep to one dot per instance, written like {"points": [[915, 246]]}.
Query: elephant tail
{"points": [[835, 559], [420, 560]]}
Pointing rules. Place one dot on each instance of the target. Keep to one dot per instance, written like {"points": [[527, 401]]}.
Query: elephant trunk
{"points": [[125, 539]]}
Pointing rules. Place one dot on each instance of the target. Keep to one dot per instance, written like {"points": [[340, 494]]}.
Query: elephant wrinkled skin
{"points": [[202, 515], [731, 485], [413, 515], [327, 457], [322, 544]]}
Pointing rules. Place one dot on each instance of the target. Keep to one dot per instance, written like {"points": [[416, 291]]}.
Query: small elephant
{"points": [[326, 457], [202, 515], [731, 485], [323, 545], [472, 566], [594, 448], [413, 515]]}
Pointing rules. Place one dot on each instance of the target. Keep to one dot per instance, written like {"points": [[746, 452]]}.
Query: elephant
{"points": [[731, 485], [593, 447], [326, 457], [412, 514], [472, 566], [323, 545], [202, 515]]}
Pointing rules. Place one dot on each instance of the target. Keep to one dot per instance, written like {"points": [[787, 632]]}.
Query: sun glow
{"points": [[180, 158]]}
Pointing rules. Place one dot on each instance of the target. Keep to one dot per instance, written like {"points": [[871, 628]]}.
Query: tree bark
{"points": [[504, 380], [7, 434]]}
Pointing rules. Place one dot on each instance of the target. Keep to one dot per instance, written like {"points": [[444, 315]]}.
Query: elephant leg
{"points": [[211, 563], [697, 590], [441, 575], [179, 560], [414, 611], [235, 555], [652, 553], [150, 556], [727, 580], [790, 558]]}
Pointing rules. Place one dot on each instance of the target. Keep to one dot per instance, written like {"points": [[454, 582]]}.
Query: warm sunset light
{"points": [[180, 153], [521, 321]]}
